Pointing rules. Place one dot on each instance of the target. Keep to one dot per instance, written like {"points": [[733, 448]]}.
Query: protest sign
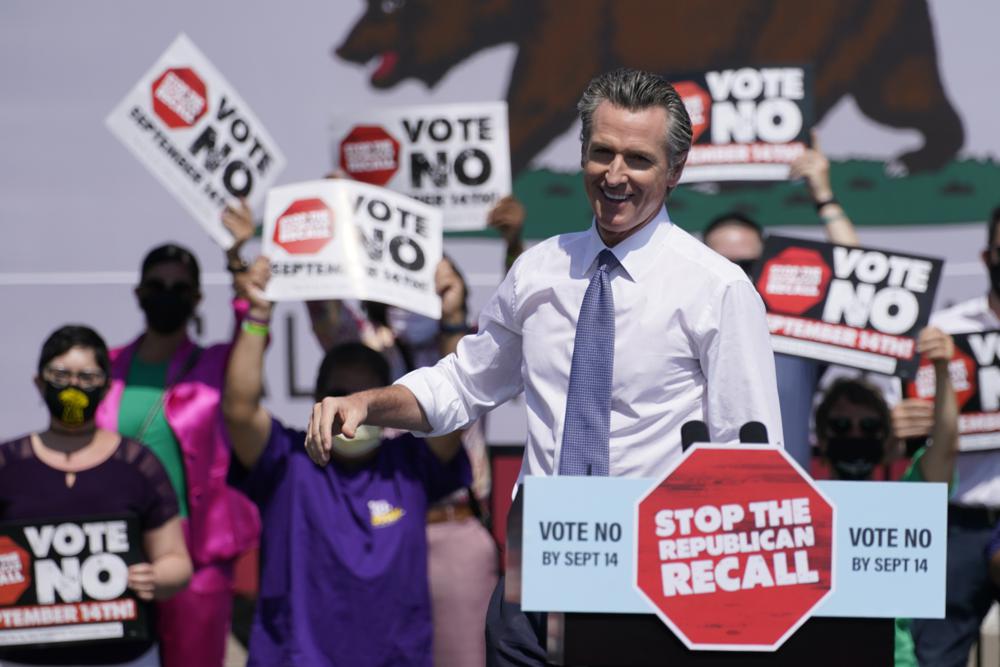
{"points": [[191, 128], [889, 559], [975, 377], [748, 123], [857, 307], [582, 535], [454, 156], [67, 581], [340, 239]]}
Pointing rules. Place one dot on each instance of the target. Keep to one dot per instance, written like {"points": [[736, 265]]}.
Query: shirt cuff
{"points": [[441, 403]]}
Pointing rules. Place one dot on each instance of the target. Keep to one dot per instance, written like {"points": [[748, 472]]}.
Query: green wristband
{"points": [[255, 328]]}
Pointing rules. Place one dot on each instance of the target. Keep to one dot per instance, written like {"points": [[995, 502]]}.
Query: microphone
{"points": [[753, 432], [692, 432]]}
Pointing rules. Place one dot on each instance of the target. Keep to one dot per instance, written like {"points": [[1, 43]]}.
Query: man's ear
{"points": [[985, 255], [676, 169]]}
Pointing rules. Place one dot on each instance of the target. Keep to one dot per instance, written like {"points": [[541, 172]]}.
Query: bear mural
{"points": [[881, 53]]}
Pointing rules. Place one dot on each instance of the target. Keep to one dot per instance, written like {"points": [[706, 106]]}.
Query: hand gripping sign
{"points": [[189, 127], [340, 239], [734, 547], [453, 156], [975, 376], [858, 307]]}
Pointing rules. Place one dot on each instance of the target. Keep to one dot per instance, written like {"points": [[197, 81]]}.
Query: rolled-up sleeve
{"points": [[483, 373], [738, 363]]}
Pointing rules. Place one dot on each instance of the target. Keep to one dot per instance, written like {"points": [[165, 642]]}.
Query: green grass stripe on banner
{"points": [[964, 191]]}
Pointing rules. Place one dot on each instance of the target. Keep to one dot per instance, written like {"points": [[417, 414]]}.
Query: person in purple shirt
{"points": [[359, 522]]}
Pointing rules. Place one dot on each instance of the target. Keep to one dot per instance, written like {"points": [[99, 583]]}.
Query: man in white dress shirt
{"points": [[690, 339], [974, 506]]}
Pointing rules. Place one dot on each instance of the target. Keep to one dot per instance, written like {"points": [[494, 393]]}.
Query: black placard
{"points": [[748, 123], [66, 581], [853, 306]]}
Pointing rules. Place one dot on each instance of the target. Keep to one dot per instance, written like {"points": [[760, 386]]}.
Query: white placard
{"points": [[453, 156], [189, 127], [340, 239]]}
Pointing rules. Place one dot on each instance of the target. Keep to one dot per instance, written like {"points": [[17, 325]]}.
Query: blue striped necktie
{"points": [[585, 449]]}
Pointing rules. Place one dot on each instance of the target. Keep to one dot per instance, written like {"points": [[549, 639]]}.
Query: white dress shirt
{"points": [[978, 472], [691, 342]]}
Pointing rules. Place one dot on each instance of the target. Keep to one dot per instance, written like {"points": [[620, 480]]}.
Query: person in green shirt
{"points": [[856, 432]]}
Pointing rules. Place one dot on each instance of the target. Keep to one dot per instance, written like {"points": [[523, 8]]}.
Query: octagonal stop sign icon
{"points": [[794, 281], [305, 227], [734, 547], [15, 571], [180, 98], [369, 154]]}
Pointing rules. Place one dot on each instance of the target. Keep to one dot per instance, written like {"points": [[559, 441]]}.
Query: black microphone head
{"points": [[753, 432], [692, 432]]}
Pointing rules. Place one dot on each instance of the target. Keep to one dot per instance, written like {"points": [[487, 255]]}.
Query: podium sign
{"points": [[580, 537]]}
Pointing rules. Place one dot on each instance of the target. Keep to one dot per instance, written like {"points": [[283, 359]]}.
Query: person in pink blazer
{"points": [[165, 392]]}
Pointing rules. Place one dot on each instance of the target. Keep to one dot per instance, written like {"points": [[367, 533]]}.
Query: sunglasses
{"points": [[157, 286], [62, 378], [870, 426]]}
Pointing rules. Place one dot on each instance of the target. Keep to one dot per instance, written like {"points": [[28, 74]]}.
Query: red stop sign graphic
{"points": [[370, 154], [734, 547], [179, 97], [305, 227], [15, 571], [794, 280], [961, 368], [698, 104]]}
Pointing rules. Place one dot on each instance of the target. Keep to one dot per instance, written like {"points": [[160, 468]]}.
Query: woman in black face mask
{"points": [[856, 433], [74, 471]]}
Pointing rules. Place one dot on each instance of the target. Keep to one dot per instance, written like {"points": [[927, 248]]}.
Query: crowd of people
{"points": [[377, 551]]}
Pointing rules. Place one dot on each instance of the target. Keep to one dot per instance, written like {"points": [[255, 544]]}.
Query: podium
{"points": [[641, 640]]}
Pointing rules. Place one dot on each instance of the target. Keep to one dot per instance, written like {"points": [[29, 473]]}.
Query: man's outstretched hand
{"points": [[331, 417]]}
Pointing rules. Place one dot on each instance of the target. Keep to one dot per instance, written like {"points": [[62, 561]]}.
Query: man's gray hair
{"points": [[635, 90]]}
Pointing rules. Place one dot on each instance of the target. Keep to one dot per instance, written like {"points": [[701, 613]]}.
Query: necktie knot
{"points": [[606, 261]]}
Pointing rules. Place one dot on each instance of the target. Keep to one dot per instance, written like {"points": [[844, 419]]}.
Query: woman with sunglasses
{"points": [[75, 469], [856, 432]]}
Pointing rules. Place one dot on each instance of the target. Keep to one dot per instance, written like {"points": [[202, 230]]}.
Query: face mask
{"points": [[995, 278], [166, 312], [746, 265], [412, 328], [854, 458], [365, 440], [71, 405]]}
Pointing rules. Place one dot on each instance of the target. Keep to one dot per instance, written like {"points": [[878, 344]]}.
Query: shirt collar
{"points": [[635, 253]]}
